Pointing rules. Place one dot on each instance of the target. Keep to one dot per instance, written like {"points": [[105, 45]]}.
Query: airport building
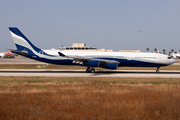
{"points": [[83, 47]]}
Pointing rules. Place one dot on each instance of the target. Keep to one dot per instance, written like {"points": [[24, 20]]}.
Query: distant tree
{"points": [[155, 49], [169, 53], [175, 52], [172, 50], [164, 51], [147, 49]]}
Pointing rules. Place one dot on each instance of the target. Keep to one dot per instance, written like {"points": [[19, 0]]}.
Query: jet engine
{"points": [[109, 65], [91, 63]]}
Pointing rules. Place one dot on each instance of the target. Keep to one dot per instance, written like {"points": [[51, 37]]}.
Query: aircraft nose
{"points": [[173, 61]]}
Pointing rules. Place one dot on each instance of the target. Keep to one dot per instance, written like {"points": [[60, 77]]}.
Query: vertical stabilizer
{"points": [[21, 42]]}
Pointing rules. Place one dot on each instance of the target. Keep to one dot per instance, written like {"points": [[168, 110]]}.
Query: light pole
{"points": [[140, 40]]}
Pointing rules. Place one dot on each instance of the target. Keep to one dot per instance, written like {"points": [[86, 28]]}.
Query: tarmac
{"points": [[81, 73], [19, 61]]}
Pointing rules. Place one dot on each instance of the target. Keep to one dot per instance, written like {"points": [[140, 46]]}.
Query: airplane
{"points": [[90, 59], [3, 55], [177, 55]]}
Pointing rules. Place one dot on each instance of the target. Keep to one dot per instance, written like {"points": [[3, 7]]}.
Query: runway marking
{"points": [[82, 73]]}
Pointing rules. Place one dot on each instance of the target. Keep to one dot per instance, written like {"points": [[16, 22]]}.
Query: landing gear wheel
{"points": [[90, 70], [93, 71], [157, 69]]}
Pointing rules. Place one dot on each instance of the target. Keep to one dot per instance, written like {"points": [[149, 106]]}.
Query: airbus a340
{"points": [[108, 60]]}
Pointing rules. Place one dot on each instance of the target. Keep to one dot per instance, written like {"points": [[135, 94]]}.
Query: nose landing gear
{"points": [[90, 70], [157, 69]]}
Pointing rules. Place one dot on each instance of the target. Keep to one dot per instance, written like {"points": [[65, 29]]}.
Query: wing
{"points": [[84, 59]]}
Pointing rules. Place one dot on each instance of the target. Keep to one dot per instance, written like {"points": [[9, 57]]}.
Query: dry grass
{"points": [[89, 98], [52, 66]]}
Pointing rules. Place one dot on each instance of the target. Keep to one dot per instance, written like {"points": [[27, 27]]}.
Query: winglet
{"points": [[60, 54]]}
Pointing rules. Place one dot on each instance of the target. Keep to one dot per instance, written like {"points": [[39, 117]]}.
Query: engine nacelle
{"points": [[109, 65], [91, 63]]}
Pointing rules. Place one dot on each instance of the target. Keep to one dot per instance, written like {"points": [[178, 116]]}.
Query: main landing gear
{"points": [[90, 70], [157, 69]]}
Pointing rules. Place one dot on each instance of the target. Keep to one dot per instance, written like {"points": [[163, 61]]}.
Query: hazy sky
{"points": [[110, 24]]}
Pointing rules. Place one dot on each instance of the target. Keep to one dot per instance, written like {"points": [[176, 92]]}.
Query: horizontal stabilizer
{"points": [[23, 53]]}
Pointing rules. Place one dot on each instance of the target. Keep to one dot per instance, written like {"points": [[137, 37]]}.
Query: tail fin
{"points": [[21, 42]]}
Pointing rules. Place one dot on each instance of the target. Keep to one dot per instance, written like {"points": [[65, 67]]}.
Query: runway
{"points": [[82, 73]]}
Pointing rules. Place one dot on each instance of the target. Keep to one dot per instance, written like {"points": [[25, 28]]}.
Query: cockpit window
{"points": [[169, 58]]}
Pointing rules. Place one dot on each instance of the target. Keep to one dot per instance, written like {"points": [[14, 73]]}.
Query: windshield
{"points": [[168, 57]]}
